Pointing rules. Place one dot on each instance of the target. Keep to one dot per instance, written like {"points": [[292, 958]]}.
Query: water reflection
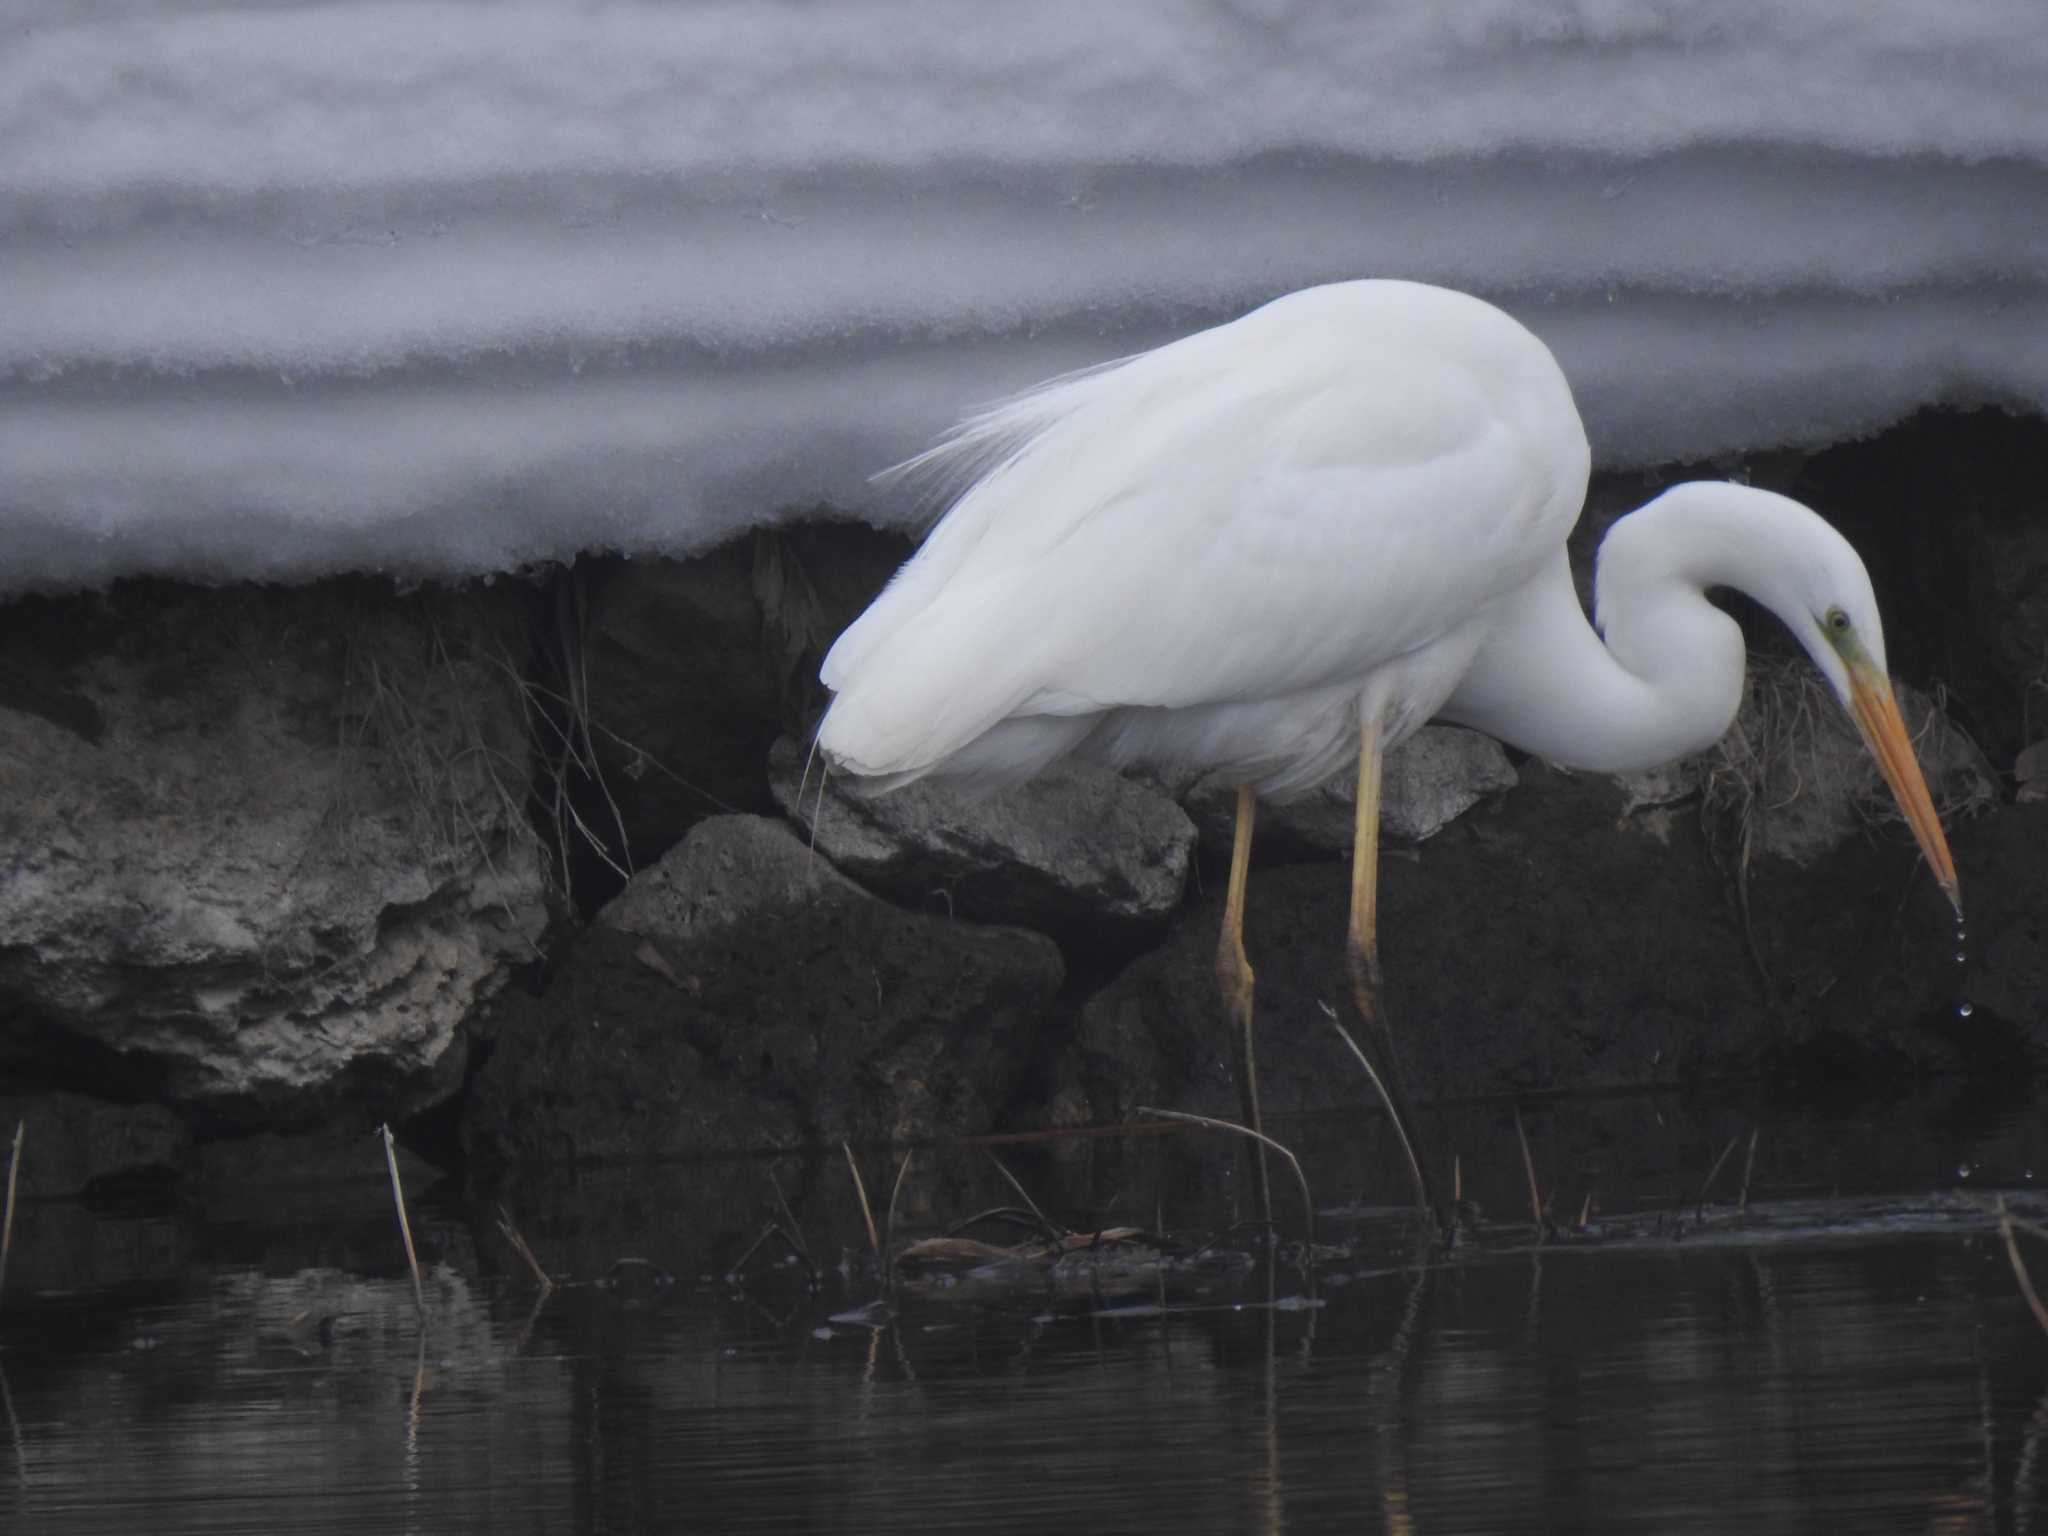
{"points": [[1837, 1359]]}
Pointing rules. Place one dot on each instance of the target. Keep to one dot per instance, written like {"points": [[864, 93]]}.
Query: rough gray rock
{"points": [[1079, 852], [743, 994], [2030, 773], [257, 843], [1431, 779]]}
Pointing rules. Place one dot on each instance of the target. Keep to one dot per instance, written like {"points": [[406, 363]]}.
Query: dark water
{"points": [[1849, 1352]]}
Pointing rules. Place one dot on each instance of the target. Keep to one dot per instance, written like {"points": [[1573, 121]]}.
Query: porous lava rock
{"points": [[258, 848]]}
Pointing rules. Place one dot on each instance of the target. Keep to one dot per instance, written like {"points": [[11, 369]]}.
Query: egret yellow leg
{"points": [[1234, 979], [1362, 953]]}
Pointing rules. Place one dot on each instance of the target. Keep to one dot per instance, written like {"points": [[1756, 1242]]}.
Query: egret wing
{"points": [[1261, 508]]}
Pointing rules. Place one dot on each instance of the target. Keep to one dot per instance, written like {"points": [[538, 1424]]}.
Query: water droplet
{"points": [[1964, 1010], [1963, 1170], [1961, 958]]}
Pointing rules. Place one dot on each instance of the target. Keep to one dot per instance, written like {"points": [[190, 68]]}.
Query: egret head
{"points": [[1820, 588]]}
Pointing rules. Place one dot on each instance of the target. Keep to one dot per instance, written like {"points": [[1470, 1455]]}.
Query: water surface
{"points": [[1848, 1350]]}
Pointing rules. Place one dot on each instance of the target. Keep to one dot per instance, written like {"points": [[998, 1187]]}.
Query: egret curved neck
{"points": [[1546, 682]]}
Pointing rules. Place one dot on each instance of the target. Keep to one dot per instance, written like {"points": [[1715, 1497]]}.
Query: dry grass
{"points": [[1793, 754], [420, 739], [1792, 742]]}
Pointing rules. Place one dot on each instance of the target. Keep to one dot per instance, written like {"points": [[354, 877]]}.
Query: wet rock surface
{"points": [[1557, 942], [1080, 853], [73, 1144], [746, 995], [268, 857], [1428, 781], [261, 844]]}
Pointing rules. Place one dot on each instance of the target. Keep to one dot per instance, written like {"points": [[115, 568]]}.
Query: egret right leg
{"points": [[1234, 978], [1362, 954]]}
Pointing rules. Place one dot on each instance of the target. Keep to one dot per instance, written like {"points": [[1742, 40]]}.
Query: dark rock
{"points": [[689, 669], [290, 854], [1553, 942], [75, 1145], [743, 994], [1945, 509], [1080, 852], [238, 1172], [2030, 774]]}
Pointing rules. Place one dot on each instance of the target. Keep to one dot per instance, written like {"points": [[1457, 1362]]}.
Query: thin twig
{"points": [[7, 1221], [867, 1211], [412, 1258], [1748, 1163], [772, 1229], [511, 1235], [1707, 1186], [1023, 1194], [1529, 1168], [1016, 1216], [795, 1231], [1386, 1099], [1308, 1204]]}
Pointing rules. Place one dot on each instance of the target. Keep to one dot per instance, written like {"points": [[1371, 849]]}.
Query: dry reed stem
{"points": [[412, 1258], [2019, 1266], [867, 1211], [2031, 1228], [1308, 1204], [7, 1221], [889, 1218]]}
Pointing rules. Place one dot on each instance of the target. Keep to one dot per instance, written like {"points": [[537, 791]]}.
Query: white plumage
{"points": [[1280, 546], [1203, 553], [1348, 507]]}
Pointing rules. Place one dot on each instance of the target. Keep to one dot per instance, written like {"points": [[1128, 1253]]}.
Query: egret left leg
{"points": [[1362, 949], [1234, 980]]}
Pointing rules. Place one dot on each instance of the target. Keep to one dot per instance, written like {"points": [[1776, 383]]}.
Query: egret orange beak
{"points": [[1876, 713]]}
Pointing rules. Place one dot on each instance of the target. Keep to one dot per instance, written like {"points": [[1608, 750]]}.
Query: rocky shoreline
{"points": [[540, 867]]}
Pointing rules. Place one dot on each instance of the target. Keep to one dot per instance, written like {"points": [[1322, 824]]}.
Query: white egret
{"points": [[1278, 547]]}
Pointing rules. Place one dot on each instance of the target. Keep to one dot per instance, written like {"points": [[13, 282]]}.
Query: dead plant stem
{"points": [[412, 1258]]}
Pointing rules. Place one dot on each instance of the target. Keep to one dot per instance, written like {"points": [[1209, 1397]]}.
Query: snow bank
{"points": [[442, 287]]}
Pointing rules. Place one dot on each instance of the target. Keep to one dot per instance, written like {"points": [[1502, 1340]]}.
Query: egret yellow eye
{"points": [[1837, 621]]}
